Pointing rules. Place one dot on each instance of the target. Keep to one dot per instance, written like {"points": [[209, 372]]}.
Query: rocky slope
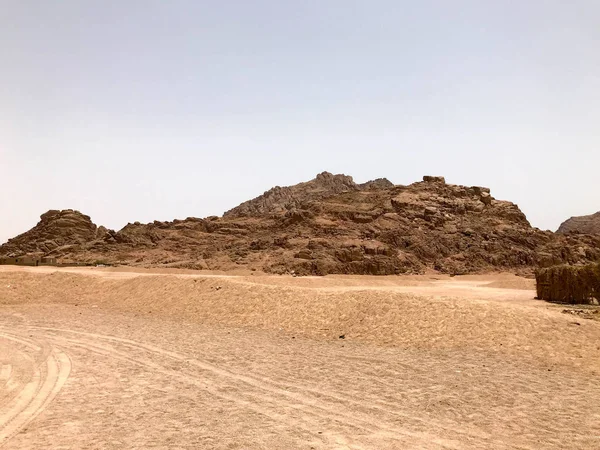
{"points": [[333, 225], [281, 199], [56, 232], [582, 224]]}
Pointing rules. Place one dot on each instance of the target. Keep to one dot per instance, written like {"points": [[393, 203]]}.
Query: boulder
{"points": [[432, 179]]}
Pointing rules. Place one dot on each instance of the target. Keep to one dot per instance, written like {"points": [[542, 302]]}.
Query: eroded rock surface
{"points": [[56, 231], [327, 225], [582, 224]]}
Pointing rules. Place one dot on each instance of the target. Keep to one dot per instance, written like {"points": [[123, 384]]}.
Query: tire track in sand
{"points": [[264, 396], [6, 371], [47, 380], [263, 404]]}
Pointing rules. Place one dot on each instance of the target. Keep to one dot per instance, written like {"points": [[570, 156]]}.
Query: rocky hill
{"points": [[582, 224], [281, 199], [57, 231], [333, 225]]}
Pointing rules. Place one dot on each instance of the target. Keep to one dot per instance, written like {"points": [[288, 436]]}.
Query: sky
{"points": [[142, 110]]}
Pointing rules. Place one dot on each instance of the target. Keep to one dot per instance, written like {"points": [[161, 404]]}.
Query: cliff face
{"points": [[582, 224], [333, 225]]}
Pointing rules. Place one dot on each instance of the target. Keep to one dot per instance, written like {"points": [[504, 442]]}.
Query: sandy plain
{"points": [[95, 358]]}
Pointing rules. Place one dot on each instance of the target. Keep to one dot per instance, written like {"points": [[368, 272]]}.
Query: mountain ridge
{"points": [[327, 225]]}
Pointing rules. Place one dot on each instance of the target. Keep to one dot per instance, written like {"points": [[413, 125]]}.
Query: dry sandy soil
{"points": [[93, 358]]}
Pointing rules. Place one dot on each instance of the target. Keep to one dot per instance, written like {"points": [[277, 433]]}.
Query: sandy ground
{"points": [[107, 358]]}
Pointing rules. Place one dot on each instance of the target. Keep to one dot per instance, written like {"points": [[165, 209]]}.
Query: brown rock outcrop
{"points": [[582, 224], [281, 199], [330, 225], [55, 230]]}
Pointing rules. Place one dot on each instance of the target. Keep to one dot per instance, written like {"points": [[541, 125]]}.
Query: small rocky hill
{"points": [[56, 230], [582, 224], [329, 225]]}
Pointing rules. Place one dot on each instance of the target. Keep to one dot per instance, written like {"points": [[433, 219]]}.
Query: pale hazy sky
{"points": [[142, 110]]}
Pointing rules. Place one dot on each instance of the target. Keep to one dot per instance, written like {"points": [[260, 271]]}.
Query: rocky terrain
{"points": [[282, 199], [56, 232], [327, 225], [582, 224]]}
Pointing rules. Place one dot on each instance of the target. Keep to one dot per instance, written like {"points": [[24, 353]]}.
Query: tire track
{"points": [[262, 404], [263, 391], [46, 382], [5, 376]]}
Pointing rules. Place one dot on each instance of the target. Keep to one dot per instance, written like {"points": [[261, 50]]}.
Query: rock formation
{"points": [[281, 199], [328, 225], [55, 232], [582, 224]]}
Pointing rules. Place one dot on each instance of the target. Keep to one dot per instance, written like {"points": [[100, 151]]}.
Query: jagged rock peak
{"points": [[329, 179], [280, 199], [432, 179], [379, 183]]}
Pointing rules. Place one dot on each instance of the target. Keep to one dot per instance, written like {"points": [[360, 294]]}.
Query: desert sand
{"points": [[112, 359]]}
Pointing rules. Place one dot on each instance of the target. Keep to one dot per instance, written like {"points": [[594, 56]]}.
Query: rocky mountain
{"points": [[582, 224], [56, 231], [333, 225], [281, 199]]}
